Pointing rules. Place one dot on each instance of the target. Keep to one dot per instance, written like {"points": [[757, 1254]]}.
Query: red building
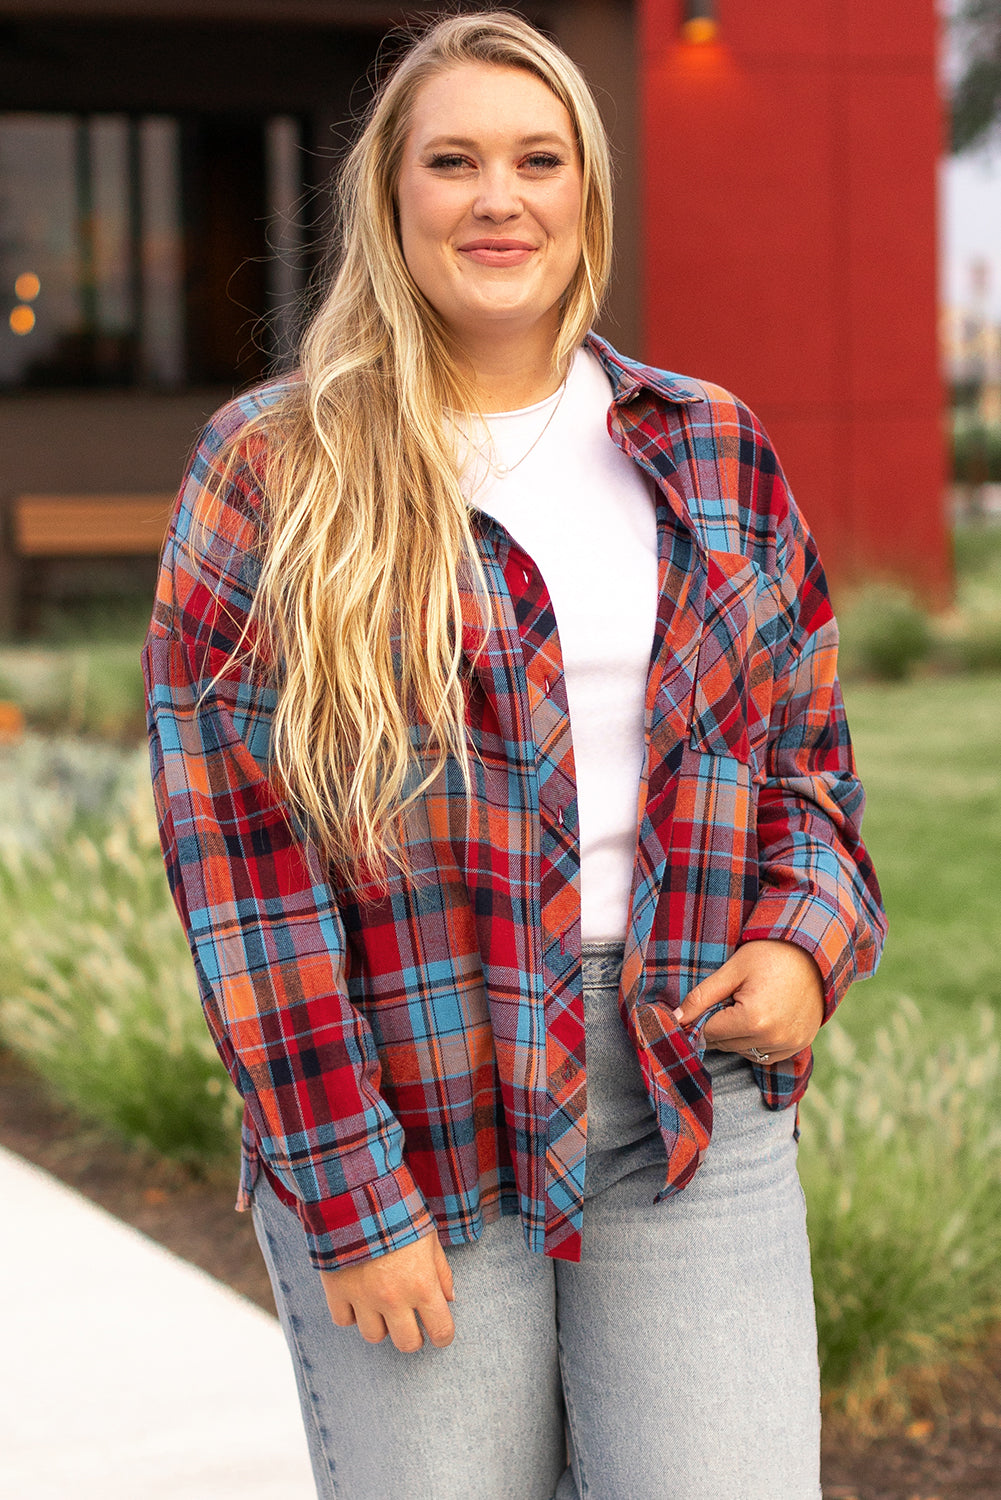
{"points": [[789, 252], [162, 180]]}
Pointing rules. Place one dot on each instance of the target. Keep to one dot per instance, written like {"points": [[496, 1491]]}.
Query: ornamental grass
{"points": [[900, 1158], [97, 989]]}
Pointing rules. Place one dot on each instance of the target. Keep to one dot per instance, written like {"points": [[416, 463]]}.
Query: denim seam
{"points": [[305, 1366], [583, 1489]]}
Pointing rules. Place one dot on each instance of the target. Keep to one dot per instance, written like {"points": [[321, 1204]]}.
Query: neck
{"points": [[513, 371]]}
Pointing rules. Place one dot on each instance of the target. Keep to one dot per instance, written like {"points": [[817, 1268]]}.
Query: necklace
{"points": [[501, 471]]}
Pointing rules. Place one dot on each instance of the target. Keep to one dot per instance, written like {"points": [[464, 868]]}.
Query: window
{"points": [[156, 251]]}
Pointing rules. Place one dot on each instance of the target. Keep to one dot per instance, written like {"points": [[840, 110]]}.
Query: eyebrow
{"points": [[547, 137]]}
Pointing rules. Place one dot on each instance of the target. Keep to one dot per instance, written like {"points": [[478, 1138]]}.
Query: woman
{"points": [[485, 987]]}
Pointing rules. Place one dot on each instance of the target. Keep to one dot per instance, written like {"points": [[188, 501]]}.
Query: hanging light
{"points": [[699, 24]]}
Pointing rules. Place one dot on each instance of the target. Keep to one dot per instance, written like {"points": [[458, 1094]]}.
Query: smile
{"points": [[497, 252]]}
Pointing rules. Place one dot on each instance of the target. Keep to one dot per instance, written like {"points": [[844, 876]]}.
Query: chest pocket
{"points": [[742, 625]]}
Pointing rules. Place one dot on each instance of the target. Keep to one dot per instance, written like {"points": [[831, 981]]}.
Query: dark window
{"points": [[152, 250]]}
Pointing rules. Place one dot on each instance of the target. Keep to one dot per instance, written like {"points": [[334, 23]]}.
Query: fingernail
{"points": [[677, 1013]]}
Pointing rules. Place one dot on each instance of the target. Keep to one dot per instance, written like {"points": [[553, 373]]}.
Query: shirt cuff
{"points": [[813, 926], [366, 1221]]}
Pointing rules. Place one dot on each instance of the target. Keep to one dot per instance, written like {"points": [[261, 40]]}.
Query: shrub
{"points": [[969, 638], [884, 633], [969, 643], [901, 1164], [100, 617], [94, 690], [976, 450], [99, 692]]}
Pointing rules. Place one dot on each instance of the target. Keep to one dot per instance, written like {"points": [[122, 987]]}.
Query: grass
{"points": [[977, 556], [97, 989], [901, 1145], [928, 753], [94, 690], [901, 1165], [887, 636], [969, 636], [81, 675]]}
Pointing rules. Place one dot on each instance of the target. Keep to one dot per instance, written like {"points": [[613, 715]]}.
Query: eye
{"points": [[543, 161], [447, 161]]}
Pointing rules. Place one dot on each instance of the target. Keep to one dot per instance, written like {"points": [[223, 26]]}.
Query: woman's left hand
{"points": [[778, 1001]]}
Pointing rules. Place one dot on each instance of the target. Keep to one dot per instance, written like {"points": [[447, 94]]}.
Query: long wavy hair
{"points": [[366, 525]]}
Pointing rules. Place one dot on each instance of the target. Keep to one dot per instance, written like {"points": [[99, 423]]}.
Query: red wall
{"points": [[789, 242]]}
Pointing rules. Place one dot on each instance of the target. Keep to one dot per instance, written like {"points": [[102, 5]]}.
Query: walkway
{"points": [[127, 1374]]}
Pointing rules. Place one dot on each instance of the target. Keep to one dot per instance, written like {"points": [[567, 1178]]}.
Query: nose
{"points": [[497, 196]]}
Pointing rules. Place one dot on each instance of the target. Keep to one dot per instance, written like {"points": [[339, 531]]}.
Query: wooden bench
{"points": [[89, 525], [44, 528]]}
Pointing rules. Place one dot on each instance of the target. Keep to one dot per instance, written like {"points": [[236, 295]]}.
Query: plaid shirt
{"points": [[418, 1060]]}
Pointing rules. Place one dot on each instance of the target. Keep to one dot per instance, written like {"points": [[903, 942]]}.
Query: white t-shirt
{"points": [[584, 513]]}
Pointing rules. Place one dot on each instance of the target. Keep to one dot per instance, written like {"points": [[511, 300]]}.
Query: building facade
{"points": [[165, 178], [789, 251]]}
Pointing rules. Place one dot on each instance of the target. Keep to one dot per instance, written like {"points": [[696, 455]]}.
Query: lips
{"points": [[493, 252]]}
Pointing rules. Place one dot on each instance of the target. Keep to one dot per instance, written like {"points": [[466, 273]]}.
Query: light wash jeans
{"points": [[676, 1361]]}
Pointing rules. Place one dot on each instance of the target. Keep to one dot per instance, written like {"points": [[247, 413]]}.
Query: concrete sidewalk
{"points": [[127, 1374]]}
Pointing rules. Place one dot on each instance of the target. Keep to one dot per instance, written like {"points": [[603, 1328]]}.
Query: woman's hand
{"points": [[778, 1001], [386, 1295]]}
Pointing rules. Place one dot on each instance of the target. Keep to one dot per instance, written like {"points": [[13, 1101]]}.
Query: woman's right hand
{"points": [[389, 1293]]}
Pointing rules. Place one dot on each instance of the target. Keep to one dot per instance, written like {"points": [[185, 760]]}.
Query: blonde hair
{"points": [[367, 528]]}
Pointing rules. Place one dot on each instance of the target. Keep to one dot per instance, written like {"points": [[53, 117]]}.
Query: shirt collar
{"points": [[629, 377]]}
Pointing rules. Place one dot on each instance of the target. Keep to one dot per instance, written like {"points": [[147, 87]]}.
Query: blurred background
{"points": [[809, 212], [164, 189]]}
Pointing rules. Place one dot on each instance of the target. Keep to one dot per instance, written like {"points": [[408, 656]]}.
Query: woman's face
{"points": [[489, 199]]}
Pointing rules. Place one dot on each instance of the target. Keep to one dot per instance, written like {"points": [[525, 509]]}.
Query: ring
{"points": [[758, 1056]]}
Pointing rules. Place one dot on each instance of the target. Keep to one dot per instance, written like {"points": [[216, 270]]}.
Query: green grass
{"points": [[886, 635], [969, 636], [900, 1159], [97, 989], [929, 753], [93, 688], [79, 674], [901, 1145], [977, 556]]}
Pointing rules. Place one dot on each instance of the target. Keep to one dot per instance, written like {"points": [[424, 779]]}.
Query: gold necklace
{"points": [[501, 471]]}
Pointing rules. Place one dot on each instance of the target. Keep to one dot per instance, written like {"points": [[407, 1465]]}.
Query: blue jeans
{"points": [[676, 1361]]}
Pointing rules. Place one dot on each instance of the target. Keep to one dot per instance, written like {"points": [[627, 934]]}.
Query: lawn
{"points": [[901, 1144], [929, 753]]}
